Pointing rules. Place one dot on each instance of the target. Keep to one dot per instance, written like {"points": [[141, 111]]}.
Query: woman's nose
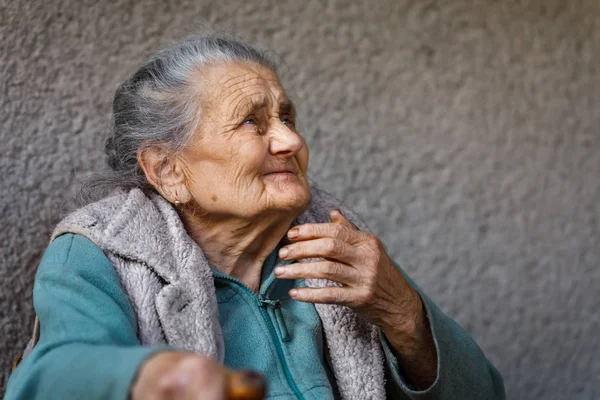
{"points": [[284, 141]]}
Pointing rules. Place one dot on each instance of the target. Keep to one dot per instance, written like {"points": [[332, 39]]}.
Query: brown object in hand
{"points": [[246, 385]]}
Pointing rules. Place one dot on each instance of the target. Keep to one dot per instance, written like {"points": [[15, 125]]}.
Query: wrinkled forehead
{"points": [[232, 88]]}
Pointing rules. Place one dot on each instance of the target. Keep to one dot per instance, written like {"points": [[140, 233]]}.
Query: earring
{"points": [[177, 203]]}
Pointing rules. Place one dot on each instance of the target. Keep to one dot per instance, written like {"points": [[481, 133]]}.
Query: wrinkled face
{"points": [[246, 159]]}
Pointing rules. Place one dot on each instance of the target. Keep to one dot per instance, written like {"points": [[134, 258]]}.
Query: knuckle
{"points": [[375, 245], [294, 269], [340, 247], [346, 234], [333, 296], [299, 269], [372, 263], [332, 269], [319, 229], [330, 246], [305, 229], [307, 295], [370, 282], [366, 296], [294, 249], [336, 229], [373, 241]]}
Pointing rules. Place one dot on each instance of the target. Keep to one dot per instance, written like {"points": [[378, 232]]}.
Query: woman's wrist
{"points": [[404, 321], [411, 339]]}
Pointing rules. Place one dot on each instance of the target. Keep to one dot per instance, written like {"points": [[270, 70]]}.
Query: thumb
{"points": [[337, 217]]}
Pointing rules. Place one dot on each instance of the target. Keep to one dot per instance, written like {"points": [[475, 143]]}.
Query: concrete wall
{"points": [[465, 131]]}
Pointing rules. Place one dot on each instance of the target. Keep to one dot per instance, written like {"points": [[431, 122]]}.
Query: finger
{"points": [[332, 230], [196, 370], [337, 217], [333, 271], [330, 248], [168, 387], [211, 384], [200, 378], [176, 384], [325, 295]]}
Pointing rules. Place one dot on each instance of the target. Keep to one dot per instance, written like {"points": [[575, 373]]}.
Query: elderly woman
{"points": [[214, 253]]}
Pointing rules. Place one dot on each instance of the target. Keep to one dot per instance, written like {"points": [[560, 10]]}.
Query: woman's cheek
{"points": [[248, 164], [253, 151]]}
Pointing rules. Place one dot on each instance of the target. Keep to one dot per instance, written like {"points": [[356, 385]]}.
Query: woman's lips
{"points": [[280, 174]]}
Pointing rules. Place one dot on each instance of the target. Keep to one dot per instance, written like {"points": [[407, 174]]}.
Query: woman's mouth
{"points": [[281, 174]]}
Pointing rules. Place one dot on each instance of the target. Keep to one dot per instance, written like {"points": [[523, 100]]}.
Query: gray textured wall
{"points": [[465, 131]]}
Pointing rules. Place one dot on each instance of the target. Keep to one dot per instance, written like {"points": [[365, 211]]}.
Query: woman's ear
{"points": [[165, 173]]}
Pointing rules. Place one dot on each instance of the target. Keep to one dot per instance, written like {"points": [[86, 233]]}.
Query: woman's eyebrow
{"points": [[249, 107], [286, 106]]}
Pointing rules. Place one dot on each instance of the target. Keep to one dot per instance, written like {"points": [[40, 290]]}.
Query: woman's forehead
{"points": [[236, 84]]}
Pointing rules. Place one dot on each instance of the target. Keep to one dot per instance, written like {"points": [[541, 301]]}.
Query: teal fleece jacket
{"points": [[88, 346]]}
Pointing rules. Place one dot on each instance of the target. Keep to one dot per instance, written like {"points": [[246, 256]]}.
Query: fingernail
{"points": [[293, 292], [279, 271], [283, 253], [293, 233]]}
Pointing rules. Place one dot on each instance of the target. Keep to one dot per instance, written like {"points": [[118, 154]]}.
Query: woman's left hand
{"points": [[370, 284]]}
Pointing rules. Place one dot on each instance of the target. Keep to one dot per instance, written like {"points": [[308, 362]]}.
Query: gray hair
{"points": [[158, 106]]}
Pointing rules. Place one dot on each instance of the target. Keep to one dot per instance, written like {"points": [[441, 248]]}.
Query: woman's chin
{"points": [[293, 197]]}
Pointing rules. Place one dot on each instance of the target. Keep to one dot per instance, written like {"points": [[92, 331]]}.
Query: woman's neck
{"points": [[238, 247]]}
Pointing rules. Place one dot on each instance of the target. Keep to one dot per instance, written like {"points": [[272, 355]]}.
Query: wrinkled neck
{"points": [[238, 247]]}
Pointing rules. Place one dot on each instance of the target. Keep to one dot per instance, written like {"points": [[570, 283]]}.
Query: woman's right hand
{"points": [[181, 376]]}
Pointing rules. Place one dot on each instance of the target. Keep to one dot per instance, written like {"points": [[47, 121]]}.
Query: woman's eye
{"points": [[287, 121], [249, 121]]}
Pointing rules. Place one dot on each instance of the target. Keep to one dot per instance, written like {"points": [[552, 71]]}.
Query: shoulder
{"points": [[75, 271], [99, 221], [73, 254], [92, 217]]}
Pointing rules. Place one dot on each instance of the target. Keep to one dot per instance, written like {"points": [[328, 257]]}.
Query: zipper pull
{"points": [[285, 335], [263, 302], [275, 305]]}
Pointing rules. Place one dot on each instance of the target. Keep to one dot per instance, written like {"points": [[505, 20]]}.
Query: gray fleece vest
{"points": [[171, 287]]}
